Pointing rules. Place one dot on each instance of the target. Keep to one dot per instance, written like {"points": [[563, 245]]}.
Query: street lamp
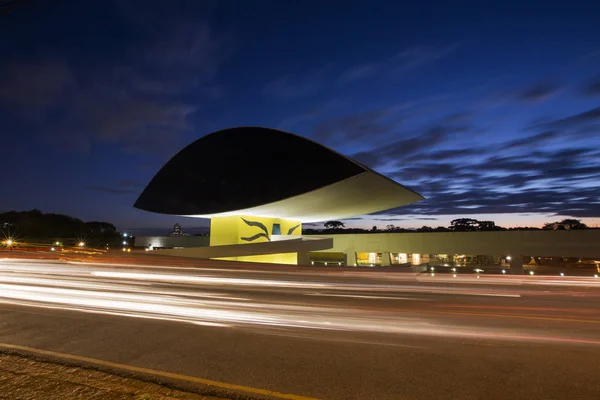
{"points": [[508, 258], [81, 244]]}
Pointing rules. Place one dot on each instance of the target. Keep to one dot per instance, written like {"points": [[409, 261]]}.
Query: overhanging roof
{"points": [[266, 172]]}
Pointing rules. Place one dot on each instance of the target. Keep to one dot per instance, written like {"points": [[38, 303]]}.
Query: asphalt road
{"points": [[325, 334]]}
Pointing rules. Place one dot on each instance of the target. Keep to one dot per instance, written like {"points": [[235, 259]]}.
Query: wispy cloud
{"points": [[561, 182], [531, 141], [536, 169], [359, 72], [539, 91], [296, 85], [352, 127], [137, 102], [407, 60], [313, 113], [591, 87], [574, 121], [405, 146], [40, 84]]}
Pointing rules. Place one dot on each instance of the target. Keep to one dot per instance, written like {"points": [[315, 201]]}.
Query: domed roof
{"points": [[267, 172]]}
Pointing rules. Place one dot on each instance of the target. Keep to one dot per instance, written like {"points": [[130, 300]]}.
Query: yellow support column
{"points": [[249, 229]]}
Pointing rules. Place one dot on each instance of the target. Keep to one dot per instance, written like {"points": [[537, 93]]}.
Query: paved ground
{"points": [[24, 378], [322, 334]]}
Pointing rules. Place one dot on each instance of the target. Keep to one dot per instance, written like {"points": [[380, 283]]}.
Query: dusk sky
{"points": [[490, 112]]}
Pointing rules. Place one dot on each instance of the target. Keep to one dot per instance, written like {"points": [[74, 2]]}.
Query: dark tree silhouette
{"points": [[565, 224], [35, 226], [464, 225], [334, 225]]}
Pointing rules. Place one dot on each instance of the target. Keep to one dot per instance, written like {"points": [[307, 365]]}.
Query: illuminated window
{"points": [[372, 258], [276, 229]]}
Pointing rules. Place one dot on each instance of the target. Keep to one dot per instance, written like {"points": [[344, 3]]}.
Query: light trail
{"points": [[197, 297]]}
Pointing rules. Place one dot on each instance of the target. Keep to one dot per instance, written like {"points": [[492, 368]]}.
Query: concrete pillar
{"points": [[350, 259], [386, 261], [516, 265], [416, 259], [303, 258]]}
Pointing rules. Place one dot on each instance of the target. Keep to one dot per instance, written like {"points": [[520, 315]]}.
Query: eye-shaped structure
{"points": [[253, 171]]}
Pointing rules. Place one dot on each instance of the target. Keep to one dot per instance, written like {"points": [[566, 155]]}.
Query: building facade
{"points": [[251, 183]]}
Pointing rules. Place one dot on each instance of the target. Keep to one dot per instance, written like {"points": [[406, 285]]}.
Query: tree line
{"points": [[456, 225], [37, 227]]}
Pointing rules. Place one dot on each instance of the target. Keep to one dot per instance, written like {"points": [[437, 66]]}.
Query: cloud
{"points": [[409, 59], [435, 154], [576, 120], [416, 57], [388, 219], [401, 149], [532, 201], [140, 100], [359, 72], [296, 85], [312, 114], [460, 116], [549, 167], [40, 84], [292, 86], [356, 125], [539, 91], [559, 182], [591, 87], [132, 122], [531, 141], [189, 47]]}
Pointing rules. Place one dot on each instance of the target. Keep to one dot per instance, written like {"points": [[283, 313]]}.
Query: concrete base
{"points": [[303, 258], [516, 266], [350, 259], [386, 260]]}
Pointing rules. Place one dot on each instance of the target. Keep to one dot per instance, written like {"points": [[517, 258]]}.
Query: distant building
{"points": [[170, 242], [177, 231], [253, 185]]}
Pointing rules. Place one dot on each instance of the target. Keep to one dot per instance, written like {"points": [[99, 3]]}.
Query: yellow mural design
{"points": [[249, 229]]}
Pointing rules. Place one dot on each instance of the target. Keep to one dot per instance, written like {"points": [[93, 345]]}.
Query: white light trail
{"points": [[203, 279], [194, 296]]}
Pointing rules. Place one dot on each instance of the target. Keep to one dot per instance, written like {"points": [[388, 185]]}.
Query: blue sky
{"points": [[491, 112]]}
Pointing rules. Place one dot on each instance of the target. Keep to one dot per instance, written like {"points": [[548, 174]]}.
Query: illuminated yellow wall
{"points": [[283, 258], [234, 230], [224, 230]]}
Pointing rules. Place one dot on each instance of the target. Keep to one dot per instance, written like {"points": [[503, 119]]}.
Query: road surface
{"points": [[320, 334]]}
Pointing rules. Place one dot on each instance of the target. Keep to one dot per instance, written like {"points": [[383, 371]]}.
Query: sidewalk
{"points": [[23, 378]]}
